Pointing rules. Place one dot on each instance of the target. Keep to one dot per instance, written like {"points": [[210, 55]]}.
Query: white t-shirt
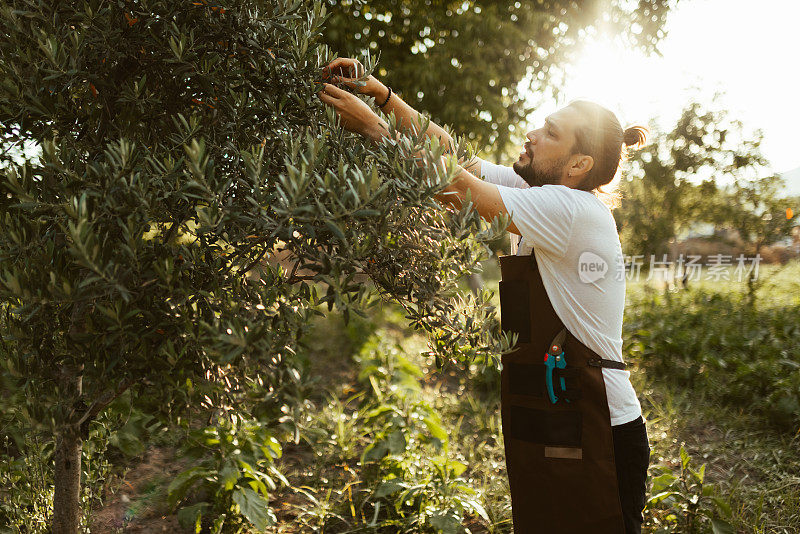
{"points": [[575, 240]]}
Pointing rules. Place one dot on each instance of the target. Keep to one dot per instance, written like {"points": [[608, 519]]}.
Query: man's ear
{"points": [[580, 165]]}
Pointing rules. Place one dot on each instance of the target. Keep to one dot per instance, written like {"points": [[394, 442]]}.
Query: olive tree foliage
{"points": [[462, 61], [181, 145]]}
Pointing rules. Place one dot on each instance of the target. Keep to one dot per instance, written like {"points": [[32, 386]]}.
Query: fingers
{"points": [[336, 78], [331, 94], [328, 99], [340, 61], [335, 91], [346, 62], [346, 66], [337, 65]]}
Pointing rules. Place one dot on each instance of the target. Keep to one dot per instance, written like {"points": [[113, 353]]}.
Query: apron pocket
{"points": [[526, 379], [515, 312], [562, 428], [572, 381]]}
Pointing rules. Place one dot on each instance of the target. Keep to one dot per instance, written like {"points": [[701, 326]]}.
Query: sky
{"points": [[746, 50]]}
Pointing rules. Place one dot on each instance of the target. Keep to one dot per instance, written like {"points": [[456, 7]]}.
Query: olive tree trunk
{"points": [[69, 446], [66, 502]]}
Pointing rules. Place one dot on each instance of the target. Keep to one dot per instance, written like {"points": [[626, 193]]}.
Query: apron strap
{"points": [[607, 364], [595, 361]]}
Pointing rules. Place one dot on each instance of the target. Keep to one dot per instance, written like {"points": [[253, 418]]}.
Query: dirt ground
{"points": [[136, 504]]}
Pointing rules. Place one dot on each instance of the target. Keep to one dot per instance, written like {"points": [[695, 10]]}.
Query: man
{"points": [[576, 445]]}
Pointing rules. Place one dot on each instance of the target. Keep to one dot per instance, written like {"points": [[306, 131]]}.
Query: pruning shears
{"points": [[554, 358]]}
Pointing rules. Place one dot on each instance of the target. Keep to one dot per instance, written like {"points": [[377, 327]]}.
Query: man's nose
{"points": [[531, 137]]}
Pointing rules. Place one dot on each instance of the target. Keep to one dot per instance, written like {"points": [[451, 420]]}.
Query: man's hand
{"points": [[355, 115], [484, 195], [348, 71]]}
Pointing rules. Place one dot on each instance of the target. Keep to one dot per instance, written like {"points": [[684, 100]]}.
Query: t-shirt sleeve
{"points": [[543, 215], [501, 175]]}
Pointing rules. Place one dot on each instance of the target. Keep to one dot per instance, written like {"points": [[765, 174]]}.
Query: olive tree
{"points": [[177, 147]]}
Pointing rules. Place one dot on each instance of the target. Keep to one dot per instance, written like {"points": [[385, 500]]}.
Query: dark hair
{"points": [[601, 136]]}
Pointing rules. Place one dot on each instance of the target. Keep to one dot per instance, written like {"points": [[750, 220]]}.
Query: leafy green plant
{"points": [[234, 473], [25, 487], [418, 486], [424, 493], [133, 431], [681, 501], [402, 417], [345, 436]]}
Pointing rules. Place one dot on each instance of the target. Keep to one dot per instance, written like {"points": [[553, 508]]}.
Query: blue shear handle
{"points": [[551, 362], [561, 363]]}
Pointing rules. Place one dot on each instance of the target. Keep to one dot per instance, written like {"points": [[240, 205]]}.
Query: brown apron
{"points": [[559, 457]]}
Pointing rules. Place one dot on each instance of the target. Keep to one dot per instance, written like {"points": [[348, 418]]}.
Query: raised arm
{"points": [[350, 71], [484, 195], [358, 117]]}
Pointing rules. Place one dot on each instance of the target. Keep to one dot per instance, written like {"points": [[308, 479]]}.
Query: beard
{"points": [[534, 176]]}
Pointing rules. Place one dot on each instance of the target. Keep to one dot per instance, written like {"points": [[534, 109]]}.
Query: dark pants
{"points": [[632, 456]]}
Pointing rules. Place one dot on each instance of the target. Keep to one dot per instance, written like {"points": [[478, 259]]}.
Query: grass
{"points": [[755, 468], [718, 390]]}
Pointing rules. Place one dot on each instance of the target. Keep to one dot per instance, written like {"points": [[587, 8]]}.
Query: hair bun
{"points": [[635, 136]]}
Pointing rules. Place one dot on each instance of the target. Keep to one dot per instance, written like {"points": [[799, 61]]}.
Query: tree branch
{"points": [[100, 404]]}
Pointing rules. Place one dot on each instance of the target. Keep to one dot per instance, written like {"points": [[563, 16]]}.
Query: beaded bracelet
{"points": [[387, 98]]}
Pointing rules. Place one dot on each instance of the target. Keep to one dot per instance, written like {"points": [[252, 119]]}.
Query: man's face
{"points": [[548, 151]]}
